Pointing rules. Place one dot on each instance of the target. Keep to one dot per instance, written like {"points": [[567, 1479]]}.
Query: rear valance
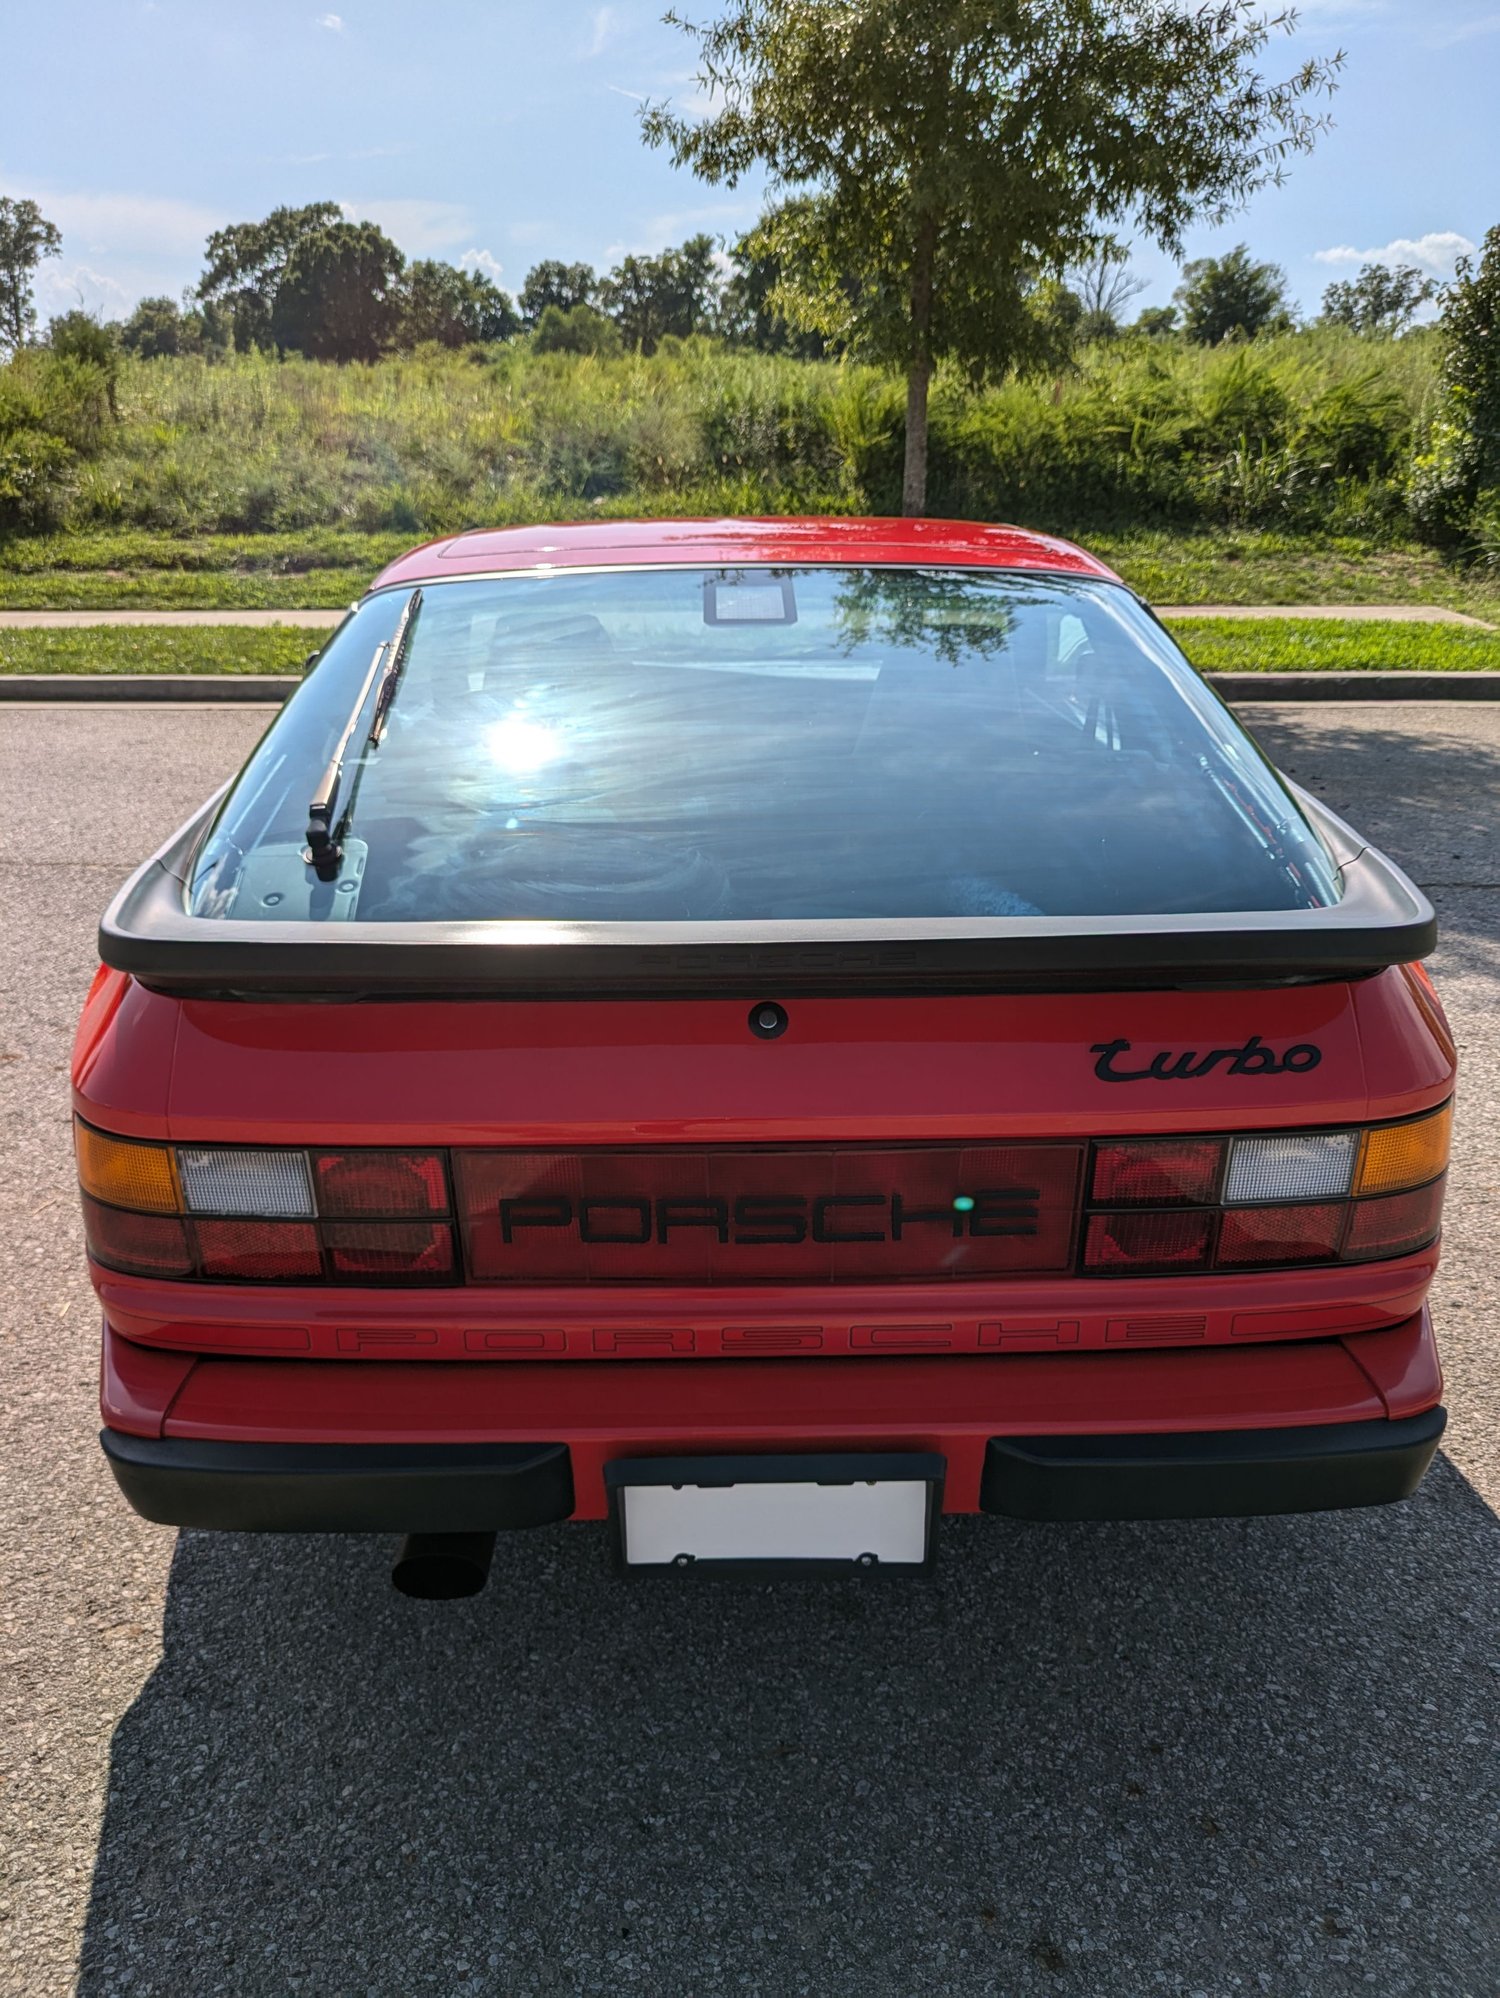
{"points": [[1380, 919]]}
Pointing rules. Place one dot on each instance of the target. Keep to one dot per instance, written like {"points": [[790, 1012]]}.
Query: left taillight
{"points": [[266, 1214]]}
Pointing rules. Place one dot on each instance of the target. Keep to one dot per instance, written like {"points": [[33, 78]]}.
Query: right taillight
{"points": [[1266, 1200]]}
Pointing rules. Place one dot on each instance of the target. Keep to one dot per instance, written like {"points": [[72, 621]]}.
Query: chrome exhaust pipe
{"points": [[439, 1567]]}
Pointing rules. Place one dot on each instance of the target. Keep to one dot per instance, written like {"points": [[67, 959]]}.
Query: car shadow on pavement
{"points": [[1223, 1756]]}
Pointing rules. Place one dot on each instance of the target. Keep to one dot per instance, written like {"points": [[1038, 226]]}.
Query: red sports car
{"points": [[764, 1032]]}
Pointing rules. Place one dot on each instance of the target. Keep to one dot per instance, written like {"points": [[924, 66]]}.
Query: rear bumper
{"points": [[480, 1488], [306, 1446]]}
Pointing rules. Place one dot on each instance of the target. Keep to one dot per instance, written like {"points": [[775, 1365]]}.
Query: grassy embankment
{"points": [[1270, 474], [1213, 645]]}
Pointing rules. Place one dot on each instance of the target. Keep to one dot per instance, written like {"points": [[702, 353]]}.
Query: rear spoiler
{"points": [[1382, 919]]}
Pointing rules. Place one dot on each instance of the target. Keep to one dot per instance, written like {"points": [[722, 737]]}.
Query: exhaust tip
{"points": [[441, 1567]]}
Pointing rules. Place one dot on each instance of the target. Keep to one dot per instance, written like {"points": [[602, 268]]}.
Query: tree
{"points": [[676, 292], [1157, 321], [26, 236], [155, 330], [959, 148], [248, 260], [1104, 287], [554, 283], [747, 313], [1458, 463], [339, 298], [582, 330], [79, 336], [453, 307], [1223, 296], [1384, 298]]}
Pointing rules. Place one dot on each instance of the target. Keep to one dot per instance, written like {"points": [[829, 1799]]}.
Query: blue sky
{"points": [[500, 133]]}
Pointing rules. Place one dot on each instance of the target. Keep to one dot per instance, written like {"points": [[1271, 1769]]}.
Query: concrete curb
{"points": [[196, 687], [274, 687]]}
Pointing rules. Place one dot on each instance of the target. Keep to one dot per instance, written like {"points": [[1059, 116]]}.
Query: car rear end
{"points": [[731, 1194]]}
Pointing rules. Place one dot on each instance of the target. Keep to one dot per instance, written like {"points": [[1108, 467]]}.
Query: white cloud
{"points": [[122, 224], [604, 26], [620, 91], [1437, 252], [422, 228], [64, 287], [483, 262], [1466, 31], [334, 23]]}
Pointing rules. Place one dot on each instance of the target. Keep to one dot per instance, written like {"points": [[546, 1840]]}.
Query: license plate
{"points": [[828, 1513]]}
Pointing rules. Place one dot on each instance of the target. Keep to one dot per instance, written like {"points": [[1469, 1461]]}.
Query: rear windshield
{"points": [[737, 744]]}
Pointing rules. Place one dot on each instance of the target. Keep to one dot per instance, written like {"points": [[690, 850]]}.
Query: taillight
{"points": [[1269, 1200], [367, 1215], [266, 1214]]}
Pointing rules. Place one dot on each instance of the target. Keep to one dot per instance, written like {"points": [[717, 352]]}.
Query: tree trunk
{"points": [[919, 370]]}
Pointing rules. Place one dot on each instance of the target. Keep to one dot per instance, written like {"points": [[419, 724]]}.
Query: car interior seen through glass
{"points": [[660, 745]]}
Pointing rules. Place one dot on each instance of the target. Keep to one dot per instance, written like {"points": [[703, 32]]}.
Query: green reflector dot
{"points": [[963, 1203]]}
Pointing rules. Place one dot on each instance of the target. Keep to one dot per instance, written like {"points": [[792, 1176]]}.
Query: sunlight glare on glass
{"points": [[519, 744]]}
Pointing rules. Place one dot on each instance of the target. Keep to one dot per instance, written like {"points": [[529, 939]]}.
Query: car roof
{"points": [[715, 543]]}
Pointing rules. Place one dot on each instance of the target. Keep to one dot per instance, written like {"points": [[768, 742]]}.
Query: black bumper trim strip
{"points": [[342, 1487], [1214, 1474]]}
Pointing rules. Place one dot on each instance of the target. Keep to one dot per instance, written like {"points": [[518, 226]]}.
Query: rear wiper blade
{"points": [[325, 839]]}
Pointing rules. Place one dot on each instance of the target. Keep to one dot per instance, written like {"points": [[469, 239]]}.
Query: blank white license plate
{"points": [[826, 1512]]}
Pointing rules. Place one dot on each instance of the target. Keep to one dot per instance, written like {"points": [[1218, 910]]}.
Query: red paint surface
{"points": [[715, 543], [951, 1406]]}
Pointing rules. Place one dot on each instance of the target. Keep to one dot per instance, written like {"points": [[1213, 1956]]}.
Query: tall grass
{"points": [[1310, 430]]}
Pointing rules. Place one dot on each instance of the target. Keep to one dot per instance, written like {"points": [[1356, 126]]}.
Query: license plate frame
{"points": [[893, 1518]]}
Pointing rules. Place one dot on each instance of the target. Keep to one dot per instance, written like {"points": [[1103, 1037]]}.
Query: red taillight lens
{"points": [[143, 1244], [1148, 1241], [1281, 1234], [1396, 1225], [390, 1251], [370, 1182], [259, 1251], [1158, 1172]]}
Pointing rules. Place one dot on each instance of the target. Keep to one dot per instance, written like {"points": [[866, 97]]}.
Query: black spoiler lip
{"points": [[1382, 919]]}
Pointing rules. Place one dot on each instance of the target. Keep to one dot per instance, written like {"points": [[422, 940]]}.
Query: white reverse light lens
{"points": [[1311, 1167], [262, 1183]]}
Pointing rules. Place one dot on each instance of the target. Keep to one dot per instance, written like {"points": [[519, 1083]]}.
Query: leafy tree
{"points": [[155, 330], [1457, 472], [677, 292], [339, 298], [1157, 321], [582, 330], [453, 307], [1384, 298], [554, 283], [1224, 296], [78, 336], [747, 312], [959, 148], [248, 260], [26, 236]]}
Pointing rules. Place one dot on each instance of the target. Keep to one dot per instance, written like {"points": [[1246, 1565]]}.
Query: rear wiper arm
{"points": [[325, 839]]}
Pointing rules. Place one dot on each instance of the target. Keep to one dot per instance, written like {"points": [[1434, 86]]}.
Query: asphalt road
{"points": [[1218, 1758]]}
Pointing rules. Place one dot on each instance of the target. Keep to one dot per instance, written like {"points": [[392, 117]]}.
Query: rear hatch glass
{"points": [[732, 745]]}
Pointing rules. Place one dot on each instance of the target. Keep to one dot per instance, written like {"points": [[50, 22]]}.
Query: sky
{"points": [[497, 134]]}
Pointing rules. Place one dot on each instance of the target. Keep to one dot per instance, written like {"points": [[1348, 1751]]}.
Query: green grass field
{"points": [[1213, 644]]}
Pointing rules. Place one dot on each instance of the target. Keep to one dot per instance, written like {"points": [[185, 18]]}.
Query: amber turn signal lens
{"points": [[125, 1173], [1402, 1155]]}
